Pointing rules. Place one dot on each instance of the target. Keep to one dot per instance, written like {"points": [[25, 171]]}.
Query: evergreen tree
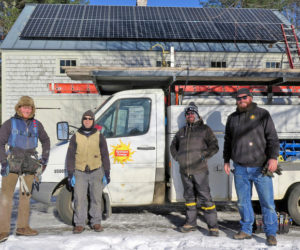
{"points": [[10, 9]]}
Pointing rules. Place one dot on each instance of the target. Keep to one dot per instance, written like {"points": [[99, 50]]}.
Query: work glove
{"points": [[266, 172], [106, 178], [43, 162], [4, 168], [71, 181]]}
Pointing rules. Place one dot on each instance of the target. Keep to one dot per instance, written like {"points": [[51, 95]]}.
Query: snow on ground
{"points": [[139, 228]]}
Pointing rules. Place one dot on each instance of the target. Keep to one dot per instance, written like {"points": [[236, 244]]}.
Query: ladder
{"points": [[291, 45]]}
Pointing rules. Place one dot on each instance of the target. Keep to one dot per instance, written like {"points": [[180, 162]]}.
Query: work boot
{"points": [[98, 228], [26, 231], [3, 237], [213, 232], [78, 229], [271, 240], [187, 228], [242, 236]]}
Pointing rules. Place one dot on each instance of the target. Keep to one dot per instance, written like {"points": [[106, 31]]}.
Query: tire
{"points": [[293, 204], [64, 206]]}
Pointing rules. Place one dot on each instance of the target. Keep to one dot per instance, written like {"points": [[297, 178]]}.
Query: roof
{"points": [[72, 27]]}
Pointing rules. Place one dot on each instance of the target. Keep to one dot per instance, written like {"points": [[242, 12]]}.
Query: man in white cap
{"points": [[191, 147]]}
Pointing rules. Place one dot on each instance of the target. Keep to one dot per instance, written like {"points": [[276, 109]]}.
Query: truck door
{"points": [[129, 125]]}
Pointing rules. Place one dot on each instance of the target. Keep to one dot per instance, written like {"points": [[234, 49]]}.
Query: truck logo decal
{"points": [[122, 153]]}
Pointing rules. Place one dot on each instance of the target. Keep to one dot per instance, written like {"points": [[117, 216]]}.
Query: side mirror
{"points": [[62, 130]]}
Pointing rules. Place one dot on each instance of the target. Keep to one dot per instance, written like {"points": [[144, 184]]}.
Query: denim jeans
{"points": [[244, 177]]}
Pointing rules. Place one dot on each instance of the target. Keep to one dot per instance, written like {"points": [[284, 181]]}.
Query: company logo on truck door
{"points": [[122, 153]]}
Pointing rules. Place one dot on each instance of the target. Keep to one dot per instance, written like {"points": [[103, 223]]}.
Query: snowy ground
{"points": [[139, 228]]}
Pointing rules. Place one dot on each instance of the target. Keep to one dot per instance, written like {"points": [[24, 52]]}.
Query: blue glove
{"points": [[104, 181], [107, 176], [71, 180], [4, 169]]}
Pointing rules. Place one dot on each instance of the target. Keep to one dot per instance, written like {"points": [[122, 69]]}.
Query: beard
{"points": [[244, 106]]}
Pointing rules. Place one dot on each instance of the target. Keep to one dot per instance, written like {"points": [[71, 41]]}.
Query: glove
{"points": [[107, 176], [266, 172], [4, 168], [71, 181], [38, 174], [43, 162], [104, 181]]}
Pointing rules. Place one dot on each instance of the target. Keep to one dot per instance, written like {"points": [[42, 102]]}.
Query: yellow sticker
{"points": [[252, 117], [122, 153]]}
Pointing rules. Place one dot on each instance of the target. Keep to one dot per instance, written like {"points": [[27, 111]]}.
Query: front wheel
{"points": [[64, 205], [293, 204], [65, 208]]}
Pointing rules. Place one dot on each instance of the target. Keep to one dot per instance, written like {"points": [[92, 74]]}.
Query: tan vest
{"points": [[88, 151]]}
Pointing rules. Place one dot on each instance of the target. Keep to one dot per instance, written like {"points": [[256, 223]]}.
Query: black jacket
{"points": [[250, 137], [192, 146]]}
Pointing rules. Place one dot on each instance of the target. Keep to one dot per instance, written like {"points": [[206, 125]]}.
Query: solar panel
{"points": [[151, 23]]}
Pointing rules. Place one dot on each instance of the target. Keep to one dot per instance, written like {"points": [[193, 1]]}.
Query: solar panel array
{"points": [[151, 23]]}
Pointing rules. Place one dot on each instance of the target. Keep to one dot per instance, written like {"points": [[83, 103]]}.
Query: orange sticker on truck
{"points": [[122, 153]]}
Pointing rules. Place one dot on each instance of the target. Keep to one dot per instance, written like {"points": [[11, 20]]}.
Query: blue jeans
{"points": [[244, 177]]}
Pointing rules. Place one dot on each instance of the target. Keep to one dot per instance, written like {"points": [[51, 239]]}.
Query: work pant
{"points": [[6, 202], [196, 186], [84, 182], [244, 177]]}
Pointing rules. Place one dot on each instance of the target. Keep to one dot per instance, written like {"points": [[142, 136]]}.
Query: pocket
{"points": [[15, 164]]}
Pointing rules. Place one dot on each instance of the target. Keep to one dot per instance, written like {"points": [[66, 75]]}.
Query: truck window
{"points": [[126, 117]]}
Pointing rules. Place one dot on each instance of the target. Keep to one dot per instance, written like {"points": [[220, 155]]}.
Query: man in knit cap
{"points": [[21, 133], [191, 147], [87, 163]]}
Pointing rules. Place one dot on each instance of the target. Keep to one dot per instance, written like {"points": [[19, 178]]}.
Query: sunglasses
{"points": [[87, 118], [242, 97]]}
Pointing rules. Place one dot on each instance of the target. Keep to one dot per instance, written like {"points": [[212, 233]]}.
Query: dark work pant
{"points": [[196, 186]]}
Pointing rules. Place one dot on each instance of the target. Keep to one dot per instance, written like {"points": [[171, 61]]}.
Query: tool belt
{"points": [[23, 161]]}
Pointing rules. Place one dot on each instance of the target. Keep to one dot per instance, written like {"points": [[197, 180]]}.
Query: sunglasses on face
{"points": [[190, 113], [87, 118], [242, 97]]}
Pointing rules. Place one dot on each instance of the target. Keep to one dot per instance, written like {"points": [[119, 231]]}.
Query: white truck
{"points": [[139, 126]]}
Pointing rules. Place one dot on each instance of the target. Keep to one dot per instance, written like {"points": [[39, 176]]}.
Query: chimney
{"points": [[141, 2]]}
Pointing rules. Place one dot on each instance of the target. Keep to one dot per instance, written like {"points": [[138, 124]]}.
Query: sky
{"points": [[169, 3]]}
